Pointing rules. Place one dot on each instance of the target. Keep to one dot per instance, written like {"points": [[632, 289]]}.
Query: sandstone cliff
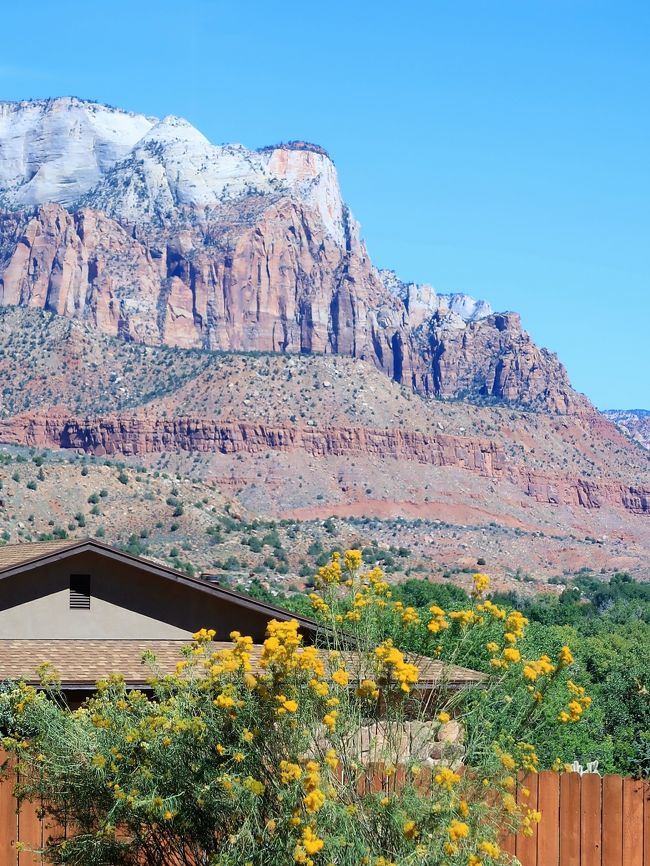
{"points": [[168, 239]]}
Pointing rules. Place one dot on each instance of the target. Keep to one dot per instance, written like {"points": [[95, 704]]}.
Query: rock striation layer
{"points": [[148, 231], [137, 435]]}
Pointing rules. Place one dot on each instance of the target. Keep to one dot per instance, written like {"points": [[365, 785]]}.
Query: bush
{"points": [[239, 765]]}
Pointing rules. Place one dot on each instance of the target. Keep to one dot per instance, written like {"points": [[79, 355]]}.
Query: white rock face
{"points": [[173, 166], [312, 177], [55, 150], [422, 301], [138, 168]]}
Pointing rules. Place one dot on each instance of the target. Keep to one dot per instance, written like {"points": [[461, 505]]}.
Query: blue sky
{"points": [[497, 148]]}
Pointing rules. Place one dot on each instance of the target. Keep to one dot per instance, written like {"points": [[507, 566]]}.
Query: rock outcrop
{"points": [[139, 435], [161, 237], [635, 423]]}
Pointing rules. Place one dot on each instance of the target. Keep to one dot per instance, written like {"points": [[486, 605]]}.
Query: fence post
{"points": [[548, 833], [591, 820], [570, 819], [527, 845], [632, 822], [612, 821], [646, 824], [8, 815]]}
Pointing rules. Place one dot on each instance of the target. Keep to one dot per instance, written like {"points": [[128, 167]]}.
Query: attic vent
{"points": [[79, 592]]}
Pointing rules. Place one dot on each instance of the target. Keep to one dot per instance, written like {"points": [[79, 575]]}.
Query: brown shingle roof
{"points": [[17, 554], [81, 663]]}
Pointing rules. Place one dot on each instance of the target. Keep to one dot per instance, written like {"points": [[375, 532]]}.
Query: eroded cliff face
{"points": [[131, 435], [160, 237], [264, 279]]}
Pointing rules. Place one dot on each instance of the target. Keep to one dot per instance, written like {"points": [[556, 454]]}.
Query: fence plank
{"points": [[632, 822], [591, 820], [30, 833], [548, 834], [646, 824], [527, 845], [8, 819], [612, 821], [509, 844], [570, 819]]}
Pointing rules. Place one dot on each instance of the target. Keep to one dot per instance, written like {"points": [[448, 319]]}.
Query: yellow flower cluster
{"points": [[410, 829], [539, 667], [254, 786], [531, 818], [331, 573], [319, 604], [353, 560], [204, 635], [566, 657], [314, 798], [310, 844], [408, 615], [490, 849], [289, 772], [457, 830], [494, 611], [577, 706], [287, 705], [281, 644], [463, 617], [515, 626], [439, 622], [367, 689], [481, 584], [392, 665], [446, 778]]}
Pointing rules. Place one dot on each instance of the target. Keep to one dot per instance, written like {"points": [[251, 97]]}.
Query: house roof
{"points": [[81, 663], [17, 554], [20, 558]]}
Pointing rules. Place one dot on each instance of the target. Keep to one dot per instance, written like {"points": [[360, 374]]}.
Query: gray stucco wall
{"points": [[125, 603]]}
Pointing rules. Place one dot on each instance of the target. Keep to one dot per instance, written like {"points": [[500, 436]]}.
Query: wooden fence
{"points": [[586, 821]]}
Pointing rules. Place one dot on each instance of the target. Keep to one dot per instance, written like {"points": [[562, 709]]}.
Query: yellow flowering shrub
{"points": [[230, 761]]}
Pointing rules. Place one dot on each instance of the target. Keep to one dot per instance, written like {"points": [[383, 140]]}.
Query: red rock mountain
{"points": [[150, 233]]}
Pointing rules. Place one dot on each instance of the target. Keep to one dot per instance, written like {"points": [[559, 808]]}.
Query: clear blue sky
{"points": [[498, 148]]}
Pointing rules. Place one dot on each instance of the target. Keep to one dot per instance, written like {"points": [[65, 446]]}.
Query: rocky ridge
{"points": [[634, 422], [139, 435], [149, 232]]}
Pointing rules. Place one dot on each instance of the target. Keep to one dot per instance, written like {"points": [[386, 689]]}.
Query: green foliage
{"points": [[607, 625]]}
